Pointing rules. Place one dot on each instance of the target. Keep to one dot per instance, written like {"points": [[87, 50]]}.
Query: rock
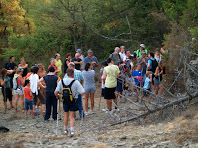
{"points": [[183, 122], [121, 144], [45, 141], [151, 126], [99, 138], [154, 146], [101, 146], [123, 138], [23, 127]]}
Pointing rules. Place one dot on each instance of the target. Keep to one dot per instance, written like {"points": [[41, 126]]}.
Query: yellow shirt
{"points": [[59, 66], [111, 80]]}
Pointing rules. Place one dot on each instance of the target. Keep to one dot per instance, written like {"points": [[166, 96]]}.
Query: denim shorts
{"points": [[28, 104], [18, 92], [90, 90]]}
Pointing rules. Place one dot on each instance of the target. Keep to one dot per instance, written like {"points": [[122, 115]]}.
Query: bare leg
{"points": [[66, 118], [72, 118], [156, 90], [26, 113], [16, 96], [86, 102], [92, 100], [109, 104], [31, 112], [11, 105], [160, 90], [22, 101]]}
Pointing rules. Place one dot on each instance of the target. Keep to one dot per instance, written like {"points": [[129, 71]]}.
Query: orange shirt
{"points": [[28, 75], [26, 91]]}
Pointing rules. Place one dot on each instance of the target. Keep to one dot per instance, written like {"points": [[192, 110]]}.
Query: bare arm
{"points": [[104, 77], [149, 64]]}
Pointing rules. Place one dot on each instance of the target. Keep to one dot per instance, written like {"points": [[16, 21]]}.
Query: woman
{"points": [[51, 82], [89, 86], [24, 66], [35, 89], [67, 61], [158, 56], [159, 72], [18, 83], [6, 88]]}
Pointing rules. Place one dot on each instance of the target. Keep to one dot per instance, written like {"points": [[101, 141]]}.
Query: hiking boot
{"points": [[104, 109]]}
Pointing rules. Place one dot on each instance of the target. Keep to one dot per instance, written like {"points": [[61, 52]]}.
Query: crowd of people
{"points": [[39, 88]]}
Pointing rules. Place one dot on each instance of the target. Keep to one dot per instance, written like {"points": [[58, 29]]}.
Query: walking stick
{"points": [[57, 118]]}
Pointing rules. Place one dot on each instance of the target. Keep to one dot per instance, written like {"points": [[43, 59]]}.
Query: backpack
{"points": [[67, 93], [153, 65], [138, 53], [15, 84]]}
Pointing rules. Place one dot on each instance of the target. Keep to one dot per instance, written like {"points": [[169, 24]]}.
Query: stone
{"points": [[123, 138], [183, 123]]}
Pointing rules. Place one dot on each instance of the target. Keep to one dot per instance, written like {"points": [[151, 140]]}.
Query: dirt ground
{"points": [[180, 131]]}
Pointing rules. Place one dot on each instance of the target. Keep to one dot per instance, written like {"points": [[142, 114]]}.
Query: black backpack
{"points": [[67, 93], [154, 65]]}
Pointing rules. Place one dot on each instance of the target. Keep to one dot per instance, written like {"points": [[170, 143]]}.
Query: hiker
{"points": [[104, 64], [91, 59], [139, 51], [77, 76], [89, 86], [77, 61], [122, 52], [35, 89], [152, 63], [52, 63], [6, 88], [115, 56], [29, 73], [143, 61], [24, 66], [82, 57], [163, 49], [129, 66], [138, 76], [51, 82], [127, 55], [70, 104], [67, 61], [158, 56], [18, 83], [28, 98], [146, 87], [159, 72], [58, 64], [110, 74]]}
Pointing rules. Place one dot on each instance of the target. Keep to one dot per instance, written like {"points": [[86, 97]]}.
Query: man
{"points": [[11, 67], [77, 76], [127, 55], [143, 60], [115, 56], [77, 61], [82, 57], [139, 51], [122, 53], [91, 59], [71, 107], [52, 64], [152, 63], [58, 64]]}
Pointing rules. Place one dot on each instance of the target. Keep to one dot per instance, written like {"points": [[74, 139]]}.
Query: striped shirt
{"points": [[77, 75]]}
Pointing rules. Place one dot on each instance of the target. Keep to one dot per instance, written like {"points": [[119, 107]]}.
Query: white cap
{"points": [[142, 45]]}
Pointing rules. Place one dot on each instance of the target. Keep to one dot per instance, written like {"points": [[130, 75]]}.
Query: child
{"points": [[137, 75], [6, 88], [104, 64], [146, 86], [28, 98]]}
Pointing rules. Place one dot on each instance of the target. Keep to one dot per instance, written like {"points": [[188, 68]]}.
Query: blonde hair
{"points": [[148, 73], [41, 65]]}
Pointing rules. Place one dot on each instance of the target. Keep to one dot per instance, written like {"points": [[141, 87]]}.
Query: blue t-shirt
{"points": [[88, 60], [135, 74], [51, 82], [149, 61], [146, 83]]}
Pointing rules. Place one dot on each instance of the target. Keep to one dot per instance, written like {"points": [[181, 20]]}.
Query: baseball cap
{"points": [[89, 50], [142, 45], [78, 50]]}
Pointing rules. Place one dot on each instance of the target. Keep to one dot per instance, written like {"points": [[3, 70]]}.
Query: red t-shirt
{"points": [[26, 91], [53, 66]]}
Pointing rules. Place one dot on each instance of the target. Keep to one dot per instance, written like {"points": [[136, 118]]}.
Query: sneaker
{"points": [[25, 117], [105, 109], [86, 113], [91, 112], [71, 133], [16, 110], [117, 109], [109, 112], [65, 131]]}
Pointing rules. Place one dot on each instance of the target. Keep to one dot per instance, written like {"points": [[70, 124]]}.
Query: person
{"points": [[137, 75], [72, 106], [122, 52], [115, 56], [11, 67], [18, 83], [34, 78], [52, 63], [77, 61], [58, 64], [77, 76], [89, 86], [110, 74], [29, 73], [139, 51], [143, 61], [67, 61], [24, 66], [104, 64], [158, 56], [127, 55], [91, 59], [51, 82], [82, 57], [6, 88], [163, 49], [152, 63], [28, 98], [129, 66], [146, 87], [159, 72]]}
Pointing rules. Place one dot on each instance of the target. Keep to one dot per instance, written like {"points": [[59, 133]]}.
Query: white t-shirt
{"points": [[34, 83], [122, 55], [102, 83], [76, 87]]}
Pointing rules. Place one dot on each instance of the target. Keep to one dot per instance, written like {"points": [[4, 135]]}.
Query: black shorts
{"points": [[103, 92], [137, 88], [11, 82], [8, 94], [109, 93], [40, 96], [70, 107]]}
